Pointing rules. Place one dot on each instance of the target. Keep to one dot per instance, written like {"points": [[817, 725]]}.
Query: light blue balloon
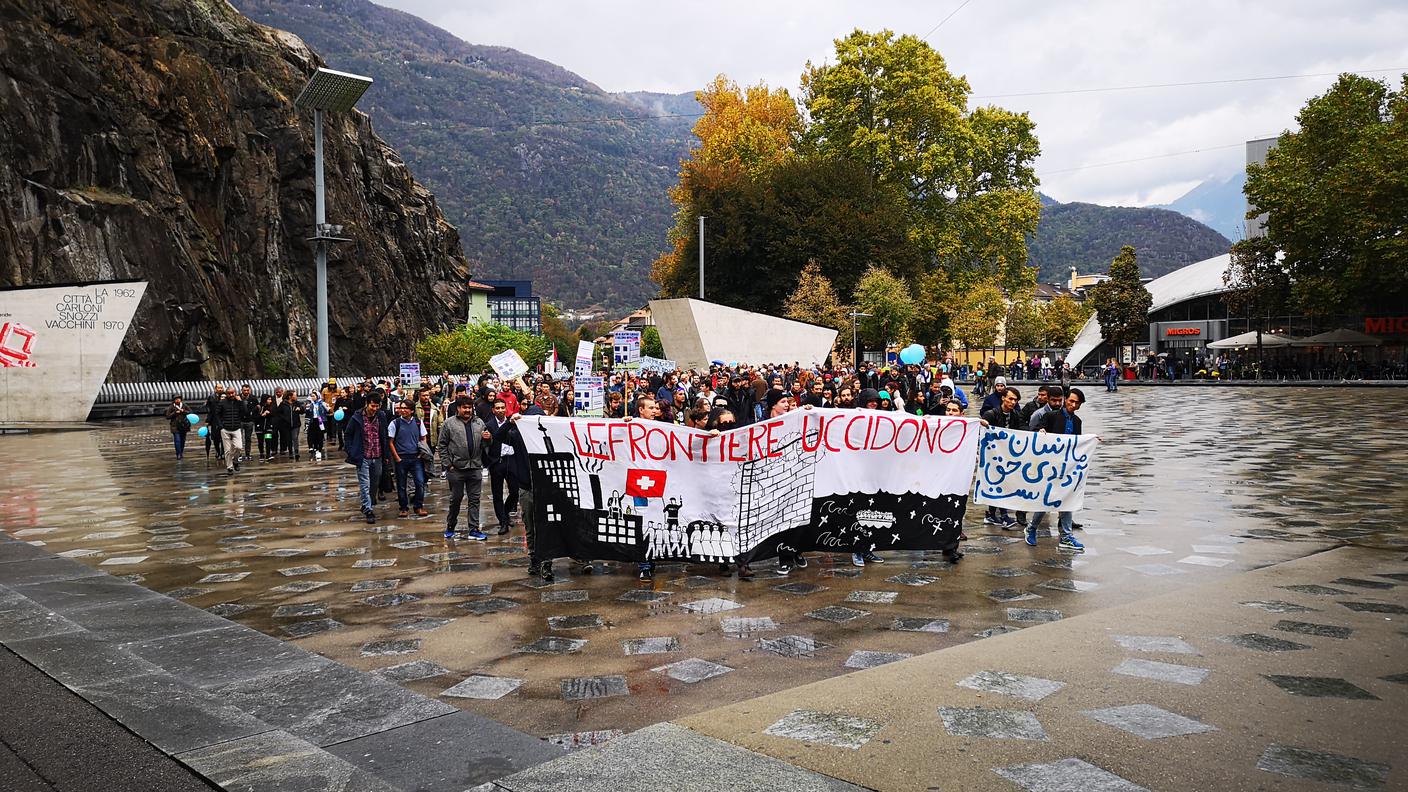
{"points": [[338, 415], [203, 431], [912, 355], [193, 418]]}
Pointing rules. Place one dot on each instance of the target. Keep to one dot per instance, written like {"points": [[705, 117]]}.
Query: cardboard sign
{"points": [[585, 350], [410, 374], [625, 346], [589, 396], [508, 365]]}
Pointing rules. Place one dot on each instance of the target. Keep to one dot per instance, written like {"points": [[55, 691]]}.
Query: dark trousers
{"points": [[179, 440], [464, 483], [414, 469], [266, 442], [249, 439], [536, 556], [213, 438], [288, 446], [498, 482], [315, 437]]}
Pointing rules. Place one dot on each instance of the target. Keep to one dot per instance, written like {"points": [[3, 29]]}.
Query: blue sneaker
{"points": [[477, 535], [1031, 536], [871, 558], [857, 560], [1069, 542]]}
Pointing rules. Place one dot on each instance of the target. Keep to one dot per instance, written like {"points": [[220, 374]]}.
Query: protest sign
{"points": [[648, 363], [508, 365], [625, 347], [585, 350], [1033, 471], [589, 396], [410, 374], [819, 479]]}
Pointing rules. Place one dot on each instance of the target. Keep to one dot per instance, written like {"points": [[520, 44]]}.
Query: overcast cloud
{"points": [[1002, 47]]}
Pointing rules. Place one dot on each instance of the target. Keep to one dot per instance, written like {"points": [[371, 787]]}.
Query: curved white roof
{"points": [[1198, 279]]}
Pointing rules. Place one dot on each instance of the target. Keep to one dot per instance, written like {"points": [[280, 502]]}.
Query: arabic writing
{"points": [[1032, 471]]}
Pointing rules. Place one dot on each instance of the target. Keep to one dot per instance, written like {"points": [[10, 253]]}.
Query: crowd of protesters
{"points": [[458, 428]]}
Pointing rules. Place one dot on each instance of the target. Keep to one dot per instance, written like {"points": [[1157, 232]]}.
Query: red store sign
{"points": [[1386, 325], [1183, 331]]}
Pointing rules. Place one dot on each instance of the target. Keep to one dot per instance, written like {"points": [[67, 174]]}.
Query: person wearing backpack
{"points": [[404, 434]]}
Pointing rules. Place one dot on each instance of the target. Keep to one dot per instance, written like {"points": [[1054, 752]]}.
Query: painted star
{"points": [[896, 538], [825, 518]]}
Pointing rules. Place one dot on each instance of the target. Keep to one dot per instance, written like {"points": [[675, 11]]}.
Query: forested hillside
{"points": [[1088, 236]]}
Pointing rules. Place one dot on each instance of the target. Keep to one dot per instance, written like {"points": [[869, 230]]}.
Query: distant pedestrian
{"points": [[180, 425], [460, 453]]}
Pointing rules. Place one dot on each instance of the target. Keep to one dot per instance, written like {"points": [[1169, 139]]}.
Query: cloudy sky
{"points": [[1004, 48]]}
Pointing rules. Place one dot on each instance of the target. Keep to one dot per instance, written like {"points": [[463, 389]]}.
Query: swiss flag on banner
{"points": [[641, 483]]}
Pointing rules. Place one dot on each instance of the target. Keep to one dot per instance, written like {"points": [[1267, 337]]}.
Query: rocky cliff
{"points": [[158, 139]]}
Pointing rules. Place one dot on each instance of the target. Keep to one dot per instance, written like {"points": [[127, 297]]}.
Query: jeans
{"points": [[234, 447], [415, 468], [1063, 522], [178, 439], [464, 483], [368, 474]]}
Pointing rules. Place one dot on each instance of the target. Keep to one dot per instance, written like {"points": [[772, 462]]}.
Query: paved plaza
{"points": [[1237, 620]]}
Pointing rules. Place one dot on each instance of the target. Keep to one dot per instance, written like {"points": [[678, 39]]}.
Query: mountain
{"points": [[523, 154], [157, 139], [1217, 202], [1087, 236]]}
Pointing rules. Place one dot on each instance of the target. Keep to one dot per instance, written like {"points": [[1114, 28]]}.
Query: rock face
{"points": [[157, 139]]}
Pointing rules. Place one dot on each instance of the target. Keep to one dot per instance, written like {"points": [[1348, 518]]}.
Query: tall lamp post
{"points": [[327, 91], [855, 339], [701, 257]]}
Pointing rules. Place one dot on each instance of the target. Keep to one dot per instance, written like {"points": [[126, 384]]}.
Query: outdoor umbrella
{"points": [[1249, 340], [1341, 337]]}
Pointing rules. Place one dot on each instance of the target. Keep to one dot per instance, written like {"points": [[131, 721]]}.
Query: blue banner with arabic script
{"points": [[1033, 471]]}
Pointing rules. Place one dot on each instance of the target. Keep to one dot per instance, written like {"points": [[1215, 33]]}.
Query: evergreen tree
{"points": [[1122, 302]]}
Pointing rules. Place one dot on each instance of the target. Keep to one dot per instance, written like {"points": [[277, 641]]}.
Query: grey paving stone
{"points": [[1000, 629], [799, 587], [188, 592], [864, 658], [308, 569], [1034, 615], [594, 687], [478, 590], [409, 672], [873, 597], [1205, 561], [224, 577], [414, 544], [792, 646], [385, 647], [277, 760], [991, 723], [1073, 586], [836, 730], [63, 595], [490, 605], [742, 626], [441, 558], [569, 595], [300, 586], [711, 605], [1009, 572], [304, 629], [219, 657], [646, 646], [920, 624], [1317, 590], [1155, 570], [1162, 672], [1066, 775], [553, 645], [1148, 721], [374, 563], [692, 762], [912, 579], [698, 581], [285, 552], [583, 621], [1308, 628], [1319, 687], [1146, 550], [469, 750], [1278, 606], [420, 624], [480, 686], [300, 610], [338, 552], [376, 585], [1374, 607], [1401, 679], [1011, 595], [330, 704], [141, 620], [1166, 644], [844, 572], [1262, 643], [1364, 583], [837, 613], [1321, 766], [1027, 688], [168, 714], [573, 741], [390, 600], [81, 658], [692, 670]]}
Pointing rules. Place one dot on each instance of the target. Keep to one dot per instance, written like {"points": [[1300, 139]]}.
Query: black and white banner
{"points": [[819, 479]]}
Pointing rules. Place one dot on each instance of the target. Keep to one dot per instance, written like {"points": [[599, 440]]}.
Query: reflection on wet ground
{"points": [[1188, 486]]}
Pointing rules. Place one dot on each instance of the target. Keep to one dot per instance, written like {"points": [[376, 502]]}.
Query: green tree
{"points": [[558, 333], [1122, 303], [891, 104], [466, 349], [650, 344], [815, 301], [934, 296], [979, 313], [1063, 318], [1258, 281], [1334, 197], [887, 300], [1026, 322]]}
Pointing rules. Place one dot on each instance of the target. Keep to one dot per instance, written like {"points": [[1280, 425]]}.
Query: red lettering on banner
{"points": [[612, 440], [882, 422], [636, 431], [818, 435], [679, 446], [962, 425], [847, 436]]}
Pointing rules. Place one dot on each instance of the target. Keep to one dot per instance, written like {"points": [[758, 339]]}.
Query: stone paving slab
{"points": [[275, 761], [221, 657], [169, 714]]}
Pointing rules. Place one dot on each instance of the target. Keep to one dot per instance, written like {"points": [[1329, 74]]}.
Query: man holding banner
{"points": [[1061, 422]]}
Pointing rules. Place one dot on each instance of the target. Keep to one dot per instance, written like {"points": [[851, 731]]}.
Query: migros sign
{"points": [[1386, 325], [1183, 331]]}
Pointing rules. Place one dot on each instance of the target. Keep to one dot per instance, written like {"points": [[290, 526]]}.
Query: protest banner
{"points": [[410, 374], [589, 396], [648, 363], [508, 365], [1033, 471], [585, 350], [625, 347], [818, 479]]}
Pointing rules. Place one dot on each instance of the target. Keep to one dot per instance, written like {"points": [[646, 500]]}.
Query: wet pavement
{"points": [[1189, 488]]}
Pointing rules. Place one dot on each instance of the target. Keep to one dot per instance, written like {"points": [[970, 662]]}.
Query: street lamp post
{"points": [[701, 257], [855, 339], [326, 91]]}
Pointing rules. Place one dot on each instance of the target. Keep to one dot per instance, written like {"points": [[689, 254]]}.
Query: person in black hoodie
{"points": [[288, 416], [180, 424], [230, 416], [212, 420]]}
